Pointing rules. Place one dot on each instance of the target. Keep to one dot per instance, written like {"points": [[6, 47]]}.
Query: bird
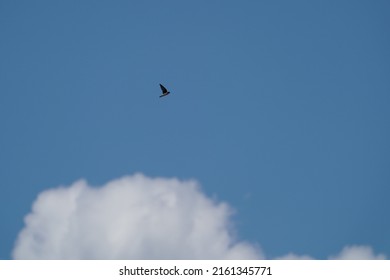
{"points": [[165, 92]]}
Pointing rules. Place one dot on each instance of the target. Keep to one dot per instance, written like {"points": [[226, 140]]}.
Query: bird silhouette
{"points": [[165, 92]]}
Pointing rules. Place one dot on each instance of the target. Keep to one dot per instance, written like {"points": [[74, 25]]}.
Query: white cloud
{"points": [[358, 252], [292, 256], [353, 252], [134, 217]]}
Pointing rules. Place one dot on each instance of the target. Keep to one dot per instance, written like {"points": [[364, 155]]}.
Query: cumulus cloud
{"points": [[351, 252], [358, 252], [134, 217], [137, 217], [292, 256]]}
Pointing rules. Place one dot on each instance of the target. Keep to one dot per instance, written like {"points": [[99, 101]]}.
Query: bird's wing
{"points": [[164, 90]]}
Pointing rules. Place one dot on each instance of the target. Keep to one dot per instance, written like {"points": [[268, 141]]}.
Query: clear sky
{"points": [[278, 108]]}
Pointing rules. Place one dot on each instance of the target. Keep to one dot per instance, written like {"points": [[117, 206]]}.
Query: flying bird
{"points": [[164, 91]]}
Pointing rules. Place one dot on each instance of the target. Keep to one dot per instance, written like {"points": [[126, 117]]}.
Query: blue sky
{"points": [[279, 108]]}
